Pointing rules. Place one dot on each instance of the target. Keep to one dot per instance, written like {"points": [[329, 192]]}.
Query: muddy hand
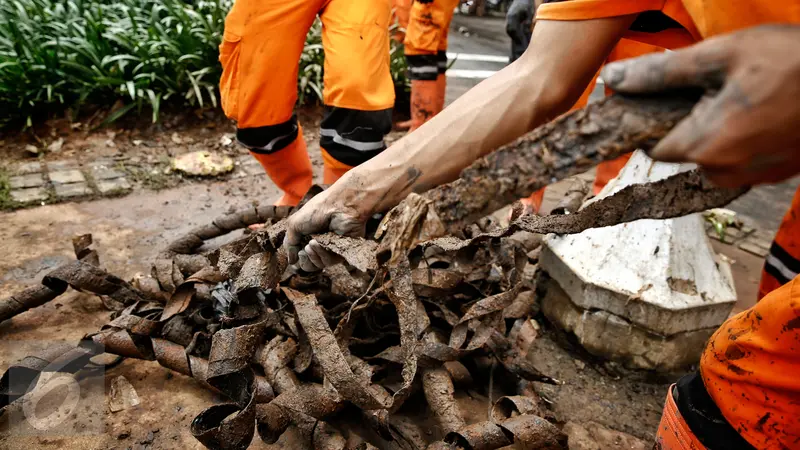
{"points": [[747, 129], [328, 211]]}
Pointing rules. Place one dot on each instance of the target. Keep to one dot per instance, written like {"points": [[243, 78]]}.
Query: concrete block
{"points": [[114, 186], [28, 168], [610, 336], [106, 173], [26, 181], [72, 190], [67, 176], [662, 275], [29, 195]]}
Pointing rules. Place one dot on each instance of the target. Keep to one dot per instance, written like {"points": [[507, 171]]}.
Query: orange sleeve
{"points": [[601, 9], [595, 9]]}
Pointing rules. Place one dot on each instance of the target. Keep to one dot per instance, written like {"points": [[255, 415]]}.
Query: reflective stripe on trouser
{"points": [[673, 432], [783, 261], [427, 67], [284, 158]]}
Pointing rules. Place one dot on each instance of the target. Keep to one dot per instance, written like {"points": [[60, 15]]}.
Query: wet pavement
{"points": [[477, 47]]}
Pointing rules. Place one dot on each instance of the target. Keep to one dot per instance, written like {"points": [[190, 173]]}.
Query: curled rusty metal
{"points": [[527, 432]]}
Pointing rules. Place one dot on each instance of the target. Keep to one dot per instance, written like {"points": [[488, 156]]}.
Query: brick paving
{"points": [[745, 238], [40, 182]]}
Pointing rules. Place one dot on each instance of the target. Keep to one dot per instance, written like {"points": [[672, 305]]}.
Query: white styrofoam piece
{"points": [[662, 275]]}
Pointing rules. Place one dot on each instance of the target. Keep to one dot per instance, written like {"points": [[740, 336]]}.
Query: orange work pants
{"points": [[262, 44], [402, 15], [783, 261], [426, 37]]}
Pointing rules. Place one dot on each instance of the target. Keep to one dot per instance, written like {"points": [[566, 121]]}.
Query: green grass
{"points": [[60, 54]]}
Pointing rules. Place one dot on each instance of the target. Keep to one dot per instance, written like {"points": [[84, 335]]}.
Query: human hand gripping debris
{"points": [[747, 129], [333, 210]]}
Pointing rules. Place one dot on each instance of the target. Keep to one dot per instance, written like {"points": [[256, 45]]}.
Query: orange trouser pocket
{"points": [[260, 49], [229, 81]]}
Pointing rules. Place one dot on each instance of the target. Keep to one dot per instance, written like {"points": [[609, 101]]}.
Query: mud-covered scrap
{"points": [[568, 146], [434, 323]]}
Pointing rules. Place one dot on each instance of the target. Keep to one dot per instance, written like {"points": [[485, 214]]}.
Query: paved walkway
{"points": [[39, 182]]}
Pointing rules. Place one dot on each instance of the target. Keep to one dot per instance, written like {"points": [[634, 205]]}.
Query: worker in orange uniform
{"points": [[261, 47], [745, 131], [427, 23]]}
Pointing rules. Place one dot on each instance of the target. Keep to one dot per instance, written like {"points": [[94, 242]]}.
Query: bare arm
{"points": [[544, 83]]}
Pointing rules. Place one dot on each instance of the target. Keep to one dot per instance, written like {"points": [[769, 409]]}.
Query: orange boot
{"points": [[424, 101], [332, 169], [290, 169], [441, 92]]}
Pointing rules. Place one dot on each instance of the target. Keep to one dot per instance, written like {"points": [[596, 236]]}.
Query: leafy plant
{"points": [[59, 54], [722, 219]]}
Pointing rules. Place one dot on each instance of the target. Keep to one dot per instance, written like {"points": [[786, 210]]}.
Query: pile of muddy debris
{"points": [[437, 302], [297, 349]]}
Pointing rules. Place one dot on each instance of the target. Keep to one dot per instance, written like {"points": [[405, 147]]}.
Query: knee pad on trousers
{"points": [[269, 139], [352, 136]]}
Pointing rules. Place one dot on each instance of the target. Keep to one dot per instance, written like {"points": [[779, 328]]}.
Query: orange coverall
{"points": [[262, 44], [751, 364]]}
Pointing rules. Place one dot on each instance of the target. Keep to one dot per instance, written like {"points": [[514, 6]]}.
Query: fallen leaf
{"points": [[56, 145], [123, 395]]}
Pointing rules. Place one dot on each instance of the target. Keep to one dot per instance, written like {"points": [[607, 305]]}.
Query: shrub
{"points": [[56, 54]]}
